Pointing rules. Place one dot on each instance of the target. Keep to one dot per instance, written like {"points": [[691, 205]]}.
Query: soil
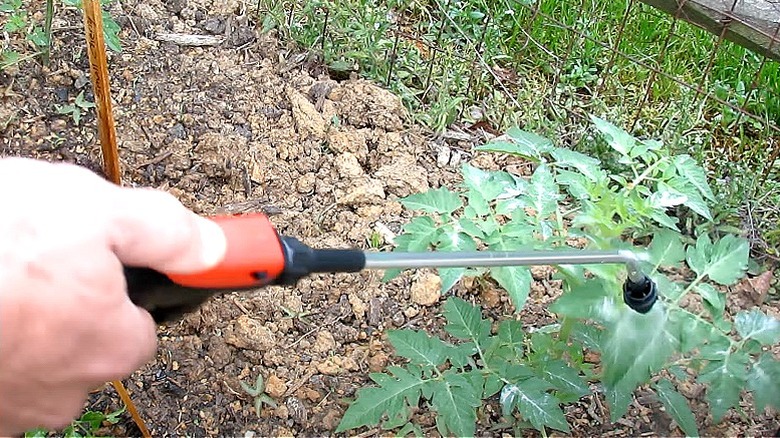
{"points": [[255, 125]]}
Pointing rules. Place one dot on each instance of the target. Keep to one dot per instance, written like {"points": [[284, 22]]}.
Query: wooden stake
{"points": [[98, 68]]}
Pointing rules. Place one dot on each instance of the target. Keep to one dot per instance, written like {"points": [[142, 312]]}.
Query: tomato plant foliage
{"points": [[570, 194]]}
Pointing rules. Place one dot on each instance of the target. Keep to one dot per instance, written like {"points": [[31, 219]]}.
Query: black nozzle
{"points": [[301, 260], [640, 295]]}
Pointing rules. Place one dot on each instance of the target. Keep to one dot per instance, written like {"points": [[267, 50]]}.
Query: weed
{"points": [[85, 426], [76, 109], [18, 21], [259, 395], [570, 195]]}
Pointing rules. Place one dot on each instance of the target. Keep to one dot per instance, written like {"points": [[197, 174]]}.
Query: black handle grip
{"points": [[165, 300]]}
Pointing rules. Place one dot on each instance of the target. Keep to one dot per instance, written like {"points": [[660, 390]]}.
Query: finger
{"points": [[152, 228]]}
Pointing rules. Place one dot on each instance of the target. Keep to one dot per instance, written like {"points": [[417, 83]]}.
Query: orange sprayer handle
{"points": [[254, 258]]}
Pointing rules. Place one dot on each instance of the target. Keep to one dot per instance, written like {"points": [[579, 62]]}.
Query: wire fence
{"points": [[516, 62]]}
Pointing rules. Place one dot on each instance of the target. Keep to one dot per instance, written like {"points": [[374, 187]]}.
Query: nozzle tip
{"points": [[640, 295]]}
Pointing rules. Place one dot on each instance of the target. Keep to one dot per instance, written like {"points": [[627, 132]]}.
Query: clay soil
{"points": [[254, 125]]}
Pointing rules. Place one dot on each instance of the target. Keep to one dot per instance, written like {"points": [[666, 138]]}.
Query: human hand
{"points": [[66, 323]]}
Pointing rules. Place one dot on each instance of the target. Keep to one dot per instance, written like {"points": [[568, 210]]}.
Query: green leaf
{"points": [[693, 199], [726, 379], [522, 143], [764, 380], [488, 184], [677, 407], [691, 332], [401, 389], [724, 262], [471, 228], [450, 276], [590, 300], [666, 196], [455, 403], [756, 325], [633, 347], [464, 321], [543, 192], [666, 249], [690, 170], [516, 280], [419, 347], [588, 166], [419, 234], [538, 407], [441, 200], [715, 299], [575, 183], [564, 378], [617, 138], [410, 428], [510, 334]]}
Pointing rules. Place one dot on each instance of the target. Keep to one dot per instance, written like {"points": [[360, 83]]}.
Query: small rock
{"points": [[348, 166], [324, 342], [329, 367], [250, 334], [490, 297], [358, 306], [307, 119], [362, 191], [377, 362], [353, 142], [331, 419], [306, 183], [411, 312], [282, 412], [403, 176], [283, 432], [298, 410], [275, 387], [426, 290]]}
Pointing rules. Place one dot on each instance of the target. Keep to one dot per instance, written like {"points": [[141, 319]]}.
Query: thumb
{"points": [[151, 228]]}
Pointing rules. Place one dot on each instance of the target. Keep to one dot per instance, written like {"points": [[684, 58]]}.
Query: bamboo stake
{"points": [[98, 68]]}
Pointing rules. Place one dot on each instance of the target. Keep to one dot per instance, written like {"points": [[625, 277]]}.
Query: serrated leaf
{"points": [[764, 380], [450, 276], [461, 355], [564, 378], [410, 428], [488, 184], [575, 184], [726, 379], [588, 335], [617, 138], [539, 408], [693, 199], [542, 192], [587, 166], [419, 234], [455, 403], [403, 389], [419, 347], [471, 228], [516, 280], [666, 196], [666, 249], [441, 200], [756, 325], [715, 299], [589, 300], [689, 169], [690, 331], [677, 407], [510, 334], [519, 142], [724, 262], [464, 321], [633, 347], [666, 287]]}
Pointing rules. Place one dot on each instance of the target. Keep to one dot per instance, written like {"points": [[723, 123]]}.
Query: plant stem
{"points": [[45, 55]]}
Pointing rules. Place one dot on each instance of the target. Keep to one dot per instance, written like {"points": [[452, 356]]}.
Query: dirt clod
{"points": [[275, 387], [426, 289], [250, 334]]}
